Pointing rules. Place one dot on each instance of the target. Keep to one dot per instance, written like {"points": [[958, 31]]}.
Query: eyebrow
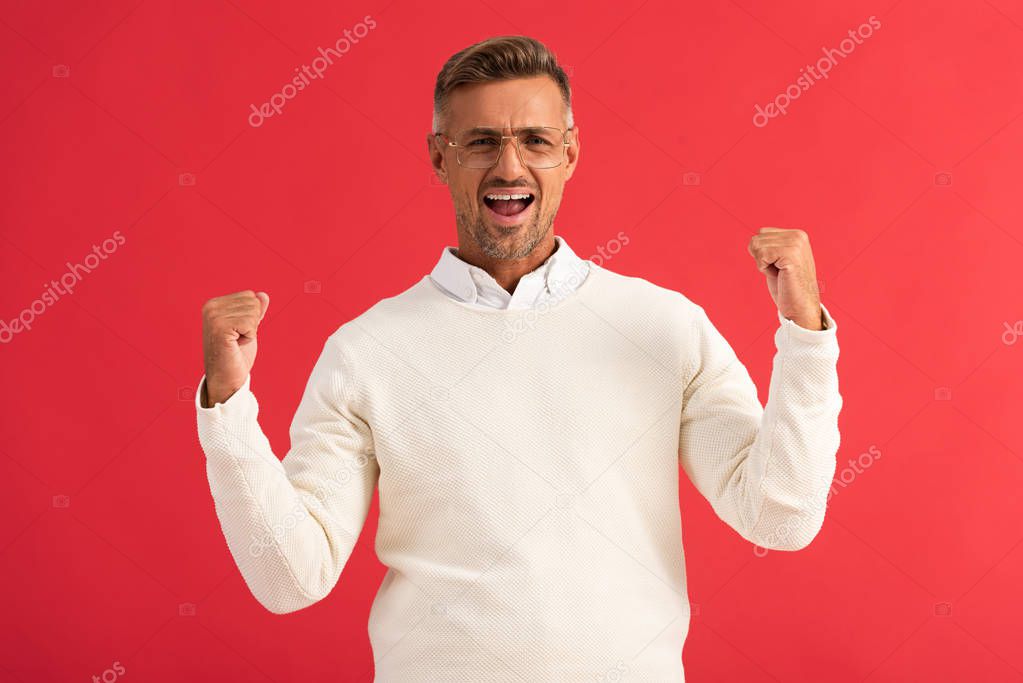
{"points": [[496, 131]]}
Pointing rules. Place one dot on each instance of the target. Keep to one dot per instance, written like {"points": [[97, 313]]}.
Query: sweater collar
{"points": [[555, 276]]}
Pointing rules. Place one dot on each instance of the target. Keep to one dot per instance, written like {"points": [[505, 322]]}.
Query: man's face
{"points": [[503, 105]]}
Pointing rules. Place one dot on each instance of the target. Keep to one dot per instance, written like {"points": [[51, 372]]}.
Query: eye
{"points": [[537, 140], [479, 142]]}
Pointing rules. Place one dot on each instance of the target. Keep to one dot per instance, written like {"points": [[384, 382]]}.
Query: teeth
{"points": [[509, 196]]}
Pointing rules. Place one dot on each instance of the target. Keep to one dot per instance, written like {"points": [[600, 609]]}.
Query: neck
{"points": [[508, 272]]}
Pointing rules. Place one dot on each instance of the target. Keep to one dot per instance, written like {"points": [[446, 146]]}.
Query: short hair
{"points": [[496, 59]]}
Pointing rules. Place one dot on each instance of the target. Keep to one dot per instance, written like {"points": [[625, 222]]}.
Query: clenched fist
{"points": [[229, 326], [785, 258]]}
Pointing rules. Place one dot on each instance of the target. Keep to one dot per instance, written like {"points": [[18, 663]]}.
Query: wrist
{"points": [[214, 393], [815, 322]]}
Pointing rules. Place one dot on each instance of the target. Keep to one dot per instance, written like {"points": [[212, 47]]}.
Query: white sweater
{"points": [[527, 466]]}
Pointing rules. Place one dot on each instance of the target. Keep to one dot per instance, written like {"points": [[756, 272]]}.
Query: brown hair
{"points": [[494, 59]]}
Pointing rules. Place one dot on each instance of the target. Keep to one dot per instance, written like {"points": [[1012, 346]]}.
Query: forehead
{"points": [[517, 102]]}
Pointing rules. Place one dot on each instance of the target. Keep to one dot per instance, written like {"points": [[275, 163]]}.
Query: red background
{"points": [[921, 276]]}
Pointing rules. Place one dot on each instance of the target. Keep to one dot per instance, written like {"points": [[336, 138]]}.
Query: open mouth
{"points": [[508, 204]]}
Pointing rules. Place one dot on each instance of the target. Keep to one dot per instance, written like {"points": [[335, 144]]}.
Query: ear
{"points": [[435, 148], [572, 153]]}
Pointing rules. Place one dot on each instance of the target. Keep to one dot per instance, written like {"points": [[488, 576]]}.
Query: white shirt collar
{"points": [[560, 274]]}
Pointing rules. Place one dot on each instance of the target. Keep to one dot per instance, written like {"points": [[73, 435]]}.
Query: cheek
{"points": [[467, 202], [551, 195], [463, 195], [551, 189]]}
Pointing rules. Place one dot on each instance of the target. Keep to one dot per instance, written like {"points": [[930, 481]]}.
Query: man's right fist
{"points": [[229, 326]]}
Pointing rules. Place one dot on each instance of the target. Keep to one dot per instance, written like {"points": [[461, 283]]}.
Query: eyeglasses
{"points": [[537, 146]]}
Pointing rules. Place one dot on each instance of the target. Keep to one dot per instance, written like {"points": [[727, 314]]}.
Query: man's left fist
{"points": [[784, 256]]}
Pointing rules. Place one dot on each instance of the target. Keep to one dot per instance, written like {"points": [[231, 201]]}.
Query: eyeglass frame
{"points": [[564, 134]]}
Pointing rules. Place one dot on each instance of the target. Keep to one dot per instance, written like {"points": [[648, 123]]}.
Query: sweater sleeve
{"points": [[766, 471], [291, 525]]}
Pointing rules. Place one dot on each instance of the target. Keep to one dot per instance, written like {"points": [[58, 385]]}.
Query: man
{"points": [[523, 414]]}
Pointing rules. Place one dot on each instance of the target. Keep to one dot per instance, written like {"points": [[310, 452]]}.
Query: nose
{"points": [[509, 160]]}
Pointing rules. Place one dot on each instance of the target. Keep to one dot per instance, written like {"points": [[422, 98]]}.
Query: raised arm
{"points": [[765, 470], [290, 525]]}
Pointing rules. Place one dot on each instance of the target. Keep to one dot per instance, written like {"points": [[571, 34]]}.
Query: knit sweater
{"points": [[527, 464]]}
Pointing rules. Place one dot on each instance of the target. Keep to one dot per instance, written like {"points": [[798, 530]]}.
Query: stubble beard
{"points": [[496, 244]]}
